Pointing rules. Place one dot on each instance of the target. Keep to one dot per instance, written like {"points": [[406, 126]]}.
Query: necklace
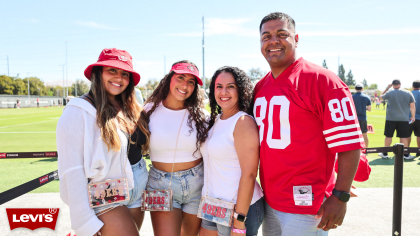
{"points": [[234, 113]]}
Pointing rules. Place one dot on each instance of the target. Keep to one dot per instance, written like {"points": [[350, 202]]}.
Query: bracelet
{"points": [[239, 231]]}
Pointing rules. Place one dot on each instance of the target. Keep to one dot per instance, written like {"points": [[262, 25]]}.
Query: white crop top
{"points": [[164, 126], [221, 166]]}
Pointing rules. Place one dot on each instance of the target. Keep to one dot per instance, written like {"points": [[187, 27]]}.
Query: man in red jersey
{"points": [[306, 117]]}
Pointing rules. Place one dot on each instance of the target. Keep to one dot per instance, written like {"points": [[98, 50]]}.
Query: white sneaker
{"points": [[410, 157], [383, 156]]}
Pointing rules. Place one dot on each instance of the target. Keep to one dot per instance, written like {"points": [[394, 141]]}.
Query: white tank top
{"points": [[164, 126], [221, 163]]}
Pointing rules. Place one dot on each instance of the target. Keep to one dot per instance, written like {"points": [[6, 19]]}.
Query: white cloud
{"points": [[222, 26], [95, 25], [403, 31]]}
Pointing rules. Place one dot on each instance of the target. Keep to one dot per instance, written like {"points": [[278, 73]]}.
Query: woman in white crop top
{"points": [[177, 123], [231, 154]]}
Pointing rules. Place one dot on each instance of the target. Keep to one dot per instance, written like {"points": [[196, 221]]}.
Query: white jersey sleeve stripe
{"points": [[342, 135], [340, 128], [345, 142]]}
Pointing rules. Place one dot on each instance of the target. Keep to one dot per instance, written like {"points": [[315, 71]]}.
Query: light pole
{"points": [[63, 79], [29, 94], [67, 73]]}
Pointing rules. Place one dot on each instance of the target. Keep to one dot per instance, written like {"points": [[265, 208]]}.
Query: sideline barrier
{"points": [[398, 149], [10, 155], [27, 187]]}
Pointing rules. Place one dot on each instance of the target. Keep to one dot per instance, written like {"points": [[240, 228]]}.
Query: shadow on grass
{"points": [[387, 162], [47, 160]]}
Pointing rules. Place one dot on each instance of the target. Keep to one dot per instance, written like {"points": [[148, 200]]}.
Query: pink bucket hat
{"points": [[116, 58]]}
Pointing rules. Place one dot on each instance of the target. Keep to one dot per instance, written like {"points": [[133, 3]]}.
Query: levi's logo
{"points": [[2, 155], [32, 218], [43, 179]]}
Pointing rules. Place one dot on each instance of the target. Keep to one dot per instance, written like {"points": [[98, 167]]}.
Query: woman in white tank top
{"points": [[231, 154], [177, 123]]}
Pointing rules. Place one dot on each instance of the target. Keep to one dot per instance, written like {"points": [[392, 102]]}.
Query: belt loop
{"points": [[194, 171]]}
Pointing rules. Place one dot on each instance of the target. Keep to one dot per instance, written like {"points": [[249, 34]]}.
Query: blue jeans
{"points": [[254, 219], [140, 180], [277, 223], [186, 186]]}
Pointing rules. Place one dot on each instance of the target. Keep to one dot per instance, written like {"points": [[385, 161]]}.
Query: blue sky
{"points": [[377, 40]]}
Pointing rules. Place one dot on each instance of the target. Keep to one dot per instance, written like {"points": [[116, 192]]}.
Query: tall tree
{"points": [[255, 74], [152, 84], [342, 73], [365, 84], [350, 81], [6, 85], [82, 88], [324, 64]]}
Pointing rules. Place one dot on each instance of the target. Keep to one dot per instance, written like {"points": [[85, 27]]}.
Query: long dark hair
{"points": [[106, 112], [193, 104], [245, 92]]}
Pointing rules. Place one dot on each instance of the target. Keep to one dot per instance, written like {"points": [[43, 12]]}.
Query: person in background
{"points": [[378, 103], [139, 97], [101, 136], [362, 103], [383, 104], [231, 154], [400, 103], [37, 102], [177, 122], [415, 126]]}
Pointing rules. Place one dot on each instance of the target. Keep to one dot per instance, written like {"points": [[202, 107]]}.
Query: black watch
{"points": [[239, 217], [343, 196]]}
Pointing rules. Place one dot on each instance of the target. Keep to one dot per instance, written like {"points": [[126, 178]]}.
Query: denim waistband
{"points": [[192, 171], [139, 163]]}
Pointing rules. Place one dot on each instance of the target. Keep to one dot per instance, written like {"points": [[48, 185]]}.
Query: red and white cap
{"points": [[186, 68], [116, 58]]}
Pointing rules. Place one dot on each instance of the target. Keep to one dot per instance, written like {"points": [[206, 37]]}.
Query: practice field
{"points": [[33, 129]]}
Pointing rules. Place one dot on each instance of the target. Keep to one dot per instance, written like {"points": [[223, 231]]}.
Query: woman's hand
{"points": [[98, 233]]}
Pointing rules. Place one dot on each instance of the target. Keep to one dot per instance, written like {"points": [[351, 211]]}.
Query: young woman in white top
{"points": [[177, 125], [92, 139], [231, 154]]}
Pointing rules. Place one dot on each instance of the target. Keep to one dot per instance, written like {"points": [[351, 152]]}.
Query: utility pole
{"points": [[204, 80], [63, 80], [164, 65], [75, 87], [67, 73], [8, 66], [338, 71], [29, 94]]}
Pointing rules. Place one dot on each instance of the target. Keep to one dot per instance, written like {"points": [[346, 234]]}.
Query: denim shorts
{"points": [[253, 221], [140, 180], [186, 186], [288, 224]]}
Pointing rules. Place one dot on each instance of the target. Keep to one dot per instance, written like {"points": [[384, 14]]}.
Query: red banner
{"points": [[32, 218]]}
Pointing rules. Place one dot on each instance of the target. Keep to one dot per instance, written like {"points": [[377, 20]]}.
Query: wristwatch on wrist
{"points": [[343, 196], [239, 217]]}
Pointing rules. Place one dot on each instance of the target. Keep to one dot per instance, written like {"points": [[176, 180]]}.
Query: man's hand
{"points": [[389, 86], [332, 212]]}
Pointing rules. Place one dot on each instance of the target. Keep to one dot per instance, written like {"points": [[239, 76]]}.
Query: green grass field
{"points": [[33, 129]]}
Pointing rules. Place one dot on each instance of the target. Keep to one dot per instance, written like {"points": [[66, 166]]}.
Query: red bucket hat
{"points": [[186, 68], [116, 58]]}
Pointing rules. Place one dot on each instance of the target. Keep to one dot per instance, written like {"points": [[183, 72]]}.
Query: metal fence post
{"points": [[398, 150]]}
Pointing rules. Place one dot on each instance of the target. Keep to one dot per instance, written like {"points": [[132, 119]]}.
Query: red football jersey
{"points": [[305, 116]]}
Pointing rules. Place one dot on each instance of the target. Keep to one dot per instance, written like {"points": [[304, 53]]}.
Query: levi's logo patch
{"points": [[32, 218]]}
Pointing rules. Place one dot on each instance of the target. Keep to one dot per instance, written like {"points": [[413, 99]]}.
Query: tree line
{"points": [[18, 86]]}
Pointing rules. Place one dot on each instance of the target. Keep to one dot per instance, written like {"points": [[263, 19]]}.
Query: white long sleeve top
{"points": [[82, 155]]}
